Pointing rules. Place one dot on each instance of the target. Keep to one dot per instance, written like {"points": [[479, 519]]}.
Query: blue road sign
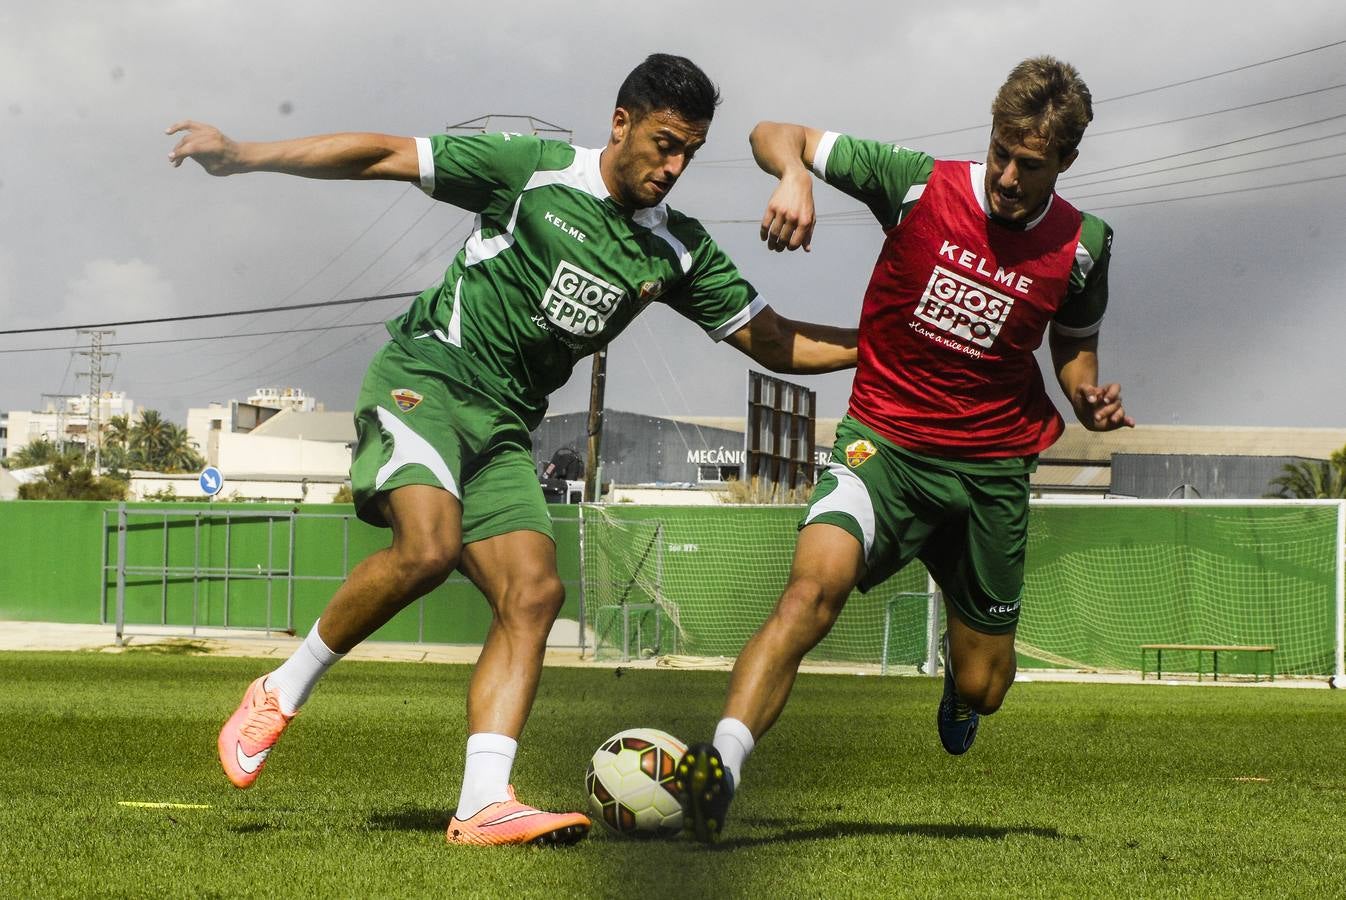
{"points": [[211, 481]]}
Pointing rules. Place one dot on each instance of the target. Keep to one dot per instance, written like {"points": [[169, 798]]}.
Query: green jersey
{"points": [[554, 269], [890, 180]]}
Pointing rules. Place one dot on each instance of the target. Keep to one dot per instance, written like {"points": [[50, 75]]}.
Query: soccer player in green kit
{"points": [[948, 410], [569, 245]]}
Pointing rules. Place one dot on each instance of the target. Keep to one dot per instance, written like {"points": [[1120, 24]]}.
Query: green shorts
{"points": [[966, 521], [414, 425]]}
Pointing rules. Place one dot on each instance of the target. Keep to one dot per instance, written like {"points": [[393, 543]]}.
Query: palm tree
{"points": [[41, 452], [180, 452], [162, 446], [117, 432], [150, 439], [1312, 479]]}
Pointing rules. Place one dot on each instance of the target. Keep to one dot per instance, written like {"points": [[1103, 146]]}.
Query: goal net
{"points": [[698, 581], [1102, 578]]}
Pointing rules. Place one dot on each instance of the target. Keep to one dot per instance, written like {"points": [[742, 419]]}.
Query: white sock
{"points": [[490, 757], [295, 678], [734, 742]]}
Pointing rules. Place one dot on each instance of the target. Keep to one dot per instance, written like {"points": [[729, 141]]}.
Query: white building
{"points": [[284, 398], [279, 444], [64, 420]]}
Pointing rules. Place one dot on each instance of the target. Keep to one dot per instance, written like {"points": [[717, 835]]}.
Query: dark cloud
{"points": [[1223, 309]]}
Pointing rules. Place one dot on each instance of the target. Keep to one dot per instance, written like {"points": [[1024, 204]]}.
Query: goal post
{"points": [[1103, 577]]}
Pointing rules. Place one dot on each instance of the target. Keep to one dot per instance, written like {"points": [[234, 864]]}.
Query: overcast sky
{"points": [[1226, 310]]}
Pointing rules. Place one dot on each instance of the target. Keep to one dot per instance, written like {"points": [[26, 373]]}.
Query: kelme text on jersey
{"points": [[577, 302]]}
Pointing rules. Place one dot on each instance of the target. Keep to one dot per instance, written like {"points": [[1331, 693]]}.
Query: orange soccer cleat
{"points": [[510, 822], [247, 738]]}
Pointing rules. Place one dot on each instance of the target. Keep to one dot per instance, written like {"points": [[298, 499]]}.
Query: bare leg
{"points": [[517, 573], [427, 525], [983, 664], [828, 562]]}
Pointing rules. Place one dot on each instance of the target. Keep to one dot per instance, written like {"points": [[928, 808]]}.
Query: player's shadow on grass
{"points": [[410, 819], [836, 829]]}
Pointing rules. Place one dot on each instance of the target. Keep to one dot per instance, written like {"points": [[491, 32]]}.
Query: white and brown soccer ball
{"points": [[630, 783]]}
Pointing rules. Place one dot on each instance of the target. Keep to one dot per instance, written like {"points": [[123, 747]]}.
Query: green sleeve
{"points": [[878, 175], [480, 171], [713, 295], [1087, 299]]}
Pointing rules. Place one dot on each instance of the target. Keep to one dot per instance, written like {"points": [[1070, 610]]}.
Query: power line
{"points": [[1274, 59], [1150, 187], [203, 337], [214, 315], [1207, 162], [344, 250], [860, 217], [1150, 90], [1189, 118], [864, 214], [1261, 187], [1071, 176]]}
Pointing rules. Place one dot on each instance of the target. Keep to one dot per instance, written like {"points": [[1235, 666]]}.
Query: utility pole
{"points": [[96, 355], [593, 486], [58, 406]]}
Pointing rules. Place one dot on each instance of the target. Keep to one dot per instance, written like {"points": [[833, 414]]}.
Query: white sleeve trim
{"points": [[825, 144], [739, 319], [425, 158]]}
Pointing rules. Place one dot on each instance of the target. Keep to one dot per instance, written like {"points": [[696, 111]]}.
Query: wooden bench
{"points": [[1214, 650]]}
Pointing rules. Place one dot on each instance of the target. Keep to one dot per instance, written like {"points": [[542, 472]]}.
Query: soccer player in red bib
{"points": [[948, 411]]}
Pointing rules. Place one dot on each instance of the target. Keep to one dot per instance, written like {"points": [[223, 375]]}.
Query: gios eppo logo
{"points": [[963, 308], [578, 302]]}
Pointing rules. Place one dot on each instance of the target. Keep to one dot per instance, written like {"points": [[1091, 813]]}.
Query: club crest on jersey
{"points": [[579, 302], [649, 290], [406, 399], [858, 451]]}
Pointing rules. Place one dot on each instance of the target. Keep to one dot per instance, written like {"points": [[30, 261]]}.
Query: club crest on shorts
{"points": [[406, 399], [858, 451]]}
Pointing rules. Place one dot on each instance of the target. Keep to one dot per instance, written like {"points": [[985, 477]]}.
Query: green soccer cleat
{"points": [[956, 720], [705, 789]]}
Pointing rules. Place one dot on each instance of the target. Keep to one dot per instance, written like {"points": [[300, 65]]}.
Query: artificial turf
{"points": [[1071, 790]]}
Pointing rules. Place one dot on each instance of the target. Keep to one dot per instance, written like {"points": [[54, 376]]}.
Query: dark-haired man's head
{"points": [[672, 83], [663, 113]]}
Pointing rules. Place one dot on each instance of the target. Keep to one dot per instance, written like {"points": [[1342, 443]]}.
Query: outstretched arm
{"points": [[354, 155], [801, 348], [1099, 408], [786, 151]]}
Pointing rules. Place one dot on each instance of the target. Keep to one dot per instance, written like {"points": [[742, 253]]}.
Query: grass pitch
{"points": [[1071, 790]]}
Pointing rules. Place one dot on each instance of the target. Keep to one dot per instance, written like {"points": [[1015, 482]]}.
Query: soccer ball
{"points": [[630, 786]]}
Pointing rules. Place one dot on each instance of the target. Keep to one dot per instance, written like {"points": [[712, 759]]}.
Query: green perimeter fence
{"points": [[196, 567], [1102, 578]]}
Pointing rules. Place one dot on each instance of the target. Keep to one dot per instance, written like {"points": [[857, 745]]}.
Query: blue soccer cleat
{"points": [[705, 789], [957, 721]]}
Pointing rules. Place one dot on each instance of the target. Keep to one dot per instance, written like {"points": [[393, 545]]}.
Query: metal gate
{"points": [[231, 551]]}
